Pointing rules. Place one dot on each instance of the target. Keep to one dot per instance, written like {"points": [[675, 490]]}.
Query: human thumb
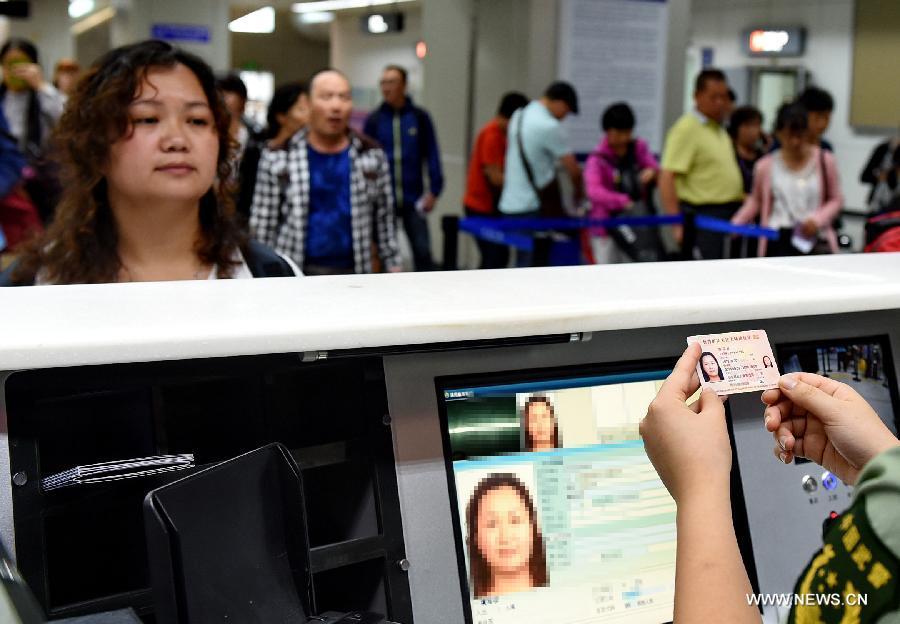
{"points": [[710, 402], [816, 402]]}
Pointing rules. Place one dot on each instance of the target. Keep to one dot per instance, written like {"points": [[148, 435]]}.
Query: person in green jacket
{"points": [[809, 416]]}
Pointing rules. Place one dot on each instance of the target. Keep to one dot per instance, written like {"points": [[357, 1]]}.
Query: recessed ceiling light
{"points": [[259, 21]]}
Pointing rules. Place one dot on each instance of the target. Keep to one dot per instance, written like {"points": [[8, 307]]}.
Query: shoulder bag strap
{"points": [[525, 163]]}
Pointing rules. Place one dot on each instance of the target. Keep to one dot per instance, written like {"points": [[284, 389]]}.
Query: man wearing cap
{"points": [[537, 143]]}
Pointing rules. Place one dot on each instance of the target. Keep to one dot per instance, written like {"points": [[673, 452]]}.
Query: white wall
{"points": [[503, 33], [47, 28], [829, 56], [362, 56], [135, 18]]}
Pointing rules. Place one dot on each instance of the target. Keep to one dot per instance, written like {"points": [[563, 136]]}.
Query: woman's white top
{"points": [[795, 194], [15, 108]]}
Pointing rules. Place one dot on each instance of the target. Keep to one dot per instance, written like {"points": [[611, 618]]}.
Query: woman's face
{"points": [[10, 60], [297, 116], [710, 366], [66, 81], [749, 132], [171, 150], [504, 531], [792, 142], [540, 423]]}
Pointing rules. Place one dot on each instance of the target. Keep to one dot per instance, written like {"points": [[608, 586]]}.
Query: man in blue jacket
{"points": [[407, 135]]}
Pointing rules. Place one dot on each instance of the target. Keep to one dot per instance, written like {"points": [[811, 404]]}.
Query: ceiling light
{"points": [[80, 8], [92, 21], [317, 17], [338, 5], [259, 21], [377, 24]]}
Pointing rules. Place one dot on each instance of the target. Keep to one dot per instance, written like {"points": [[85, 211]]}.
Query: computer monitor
{"points": [[558, 513]]}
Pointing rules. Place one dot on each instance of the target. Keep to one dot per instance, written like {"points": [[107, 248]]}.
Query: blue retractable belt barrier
{"points": [[513, 223], [719, 225], [498, 230], [485, 230]]}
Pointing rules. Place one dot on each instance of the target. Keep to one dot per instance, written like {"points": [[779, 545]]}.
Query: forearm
{"points": [[668, 196], [577, 182], [51, 102], [711, 584]]}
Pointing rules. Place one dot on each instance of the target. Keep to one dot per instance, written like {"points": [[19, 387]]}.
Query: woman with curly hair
{"points": [[143, 141]]}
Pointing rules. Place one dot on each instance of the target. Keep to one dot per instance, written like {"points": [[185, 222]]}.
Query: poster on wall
{"points": [[614, 51]]}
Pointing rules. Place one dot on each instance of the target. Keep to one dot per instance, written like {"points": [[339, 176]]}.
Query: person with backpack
{"points": [[617, 177], [795, 191]]}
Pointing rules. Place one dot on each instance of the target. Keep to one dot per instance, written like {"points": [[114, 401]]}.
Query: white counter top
{"points": [[50, 326]]}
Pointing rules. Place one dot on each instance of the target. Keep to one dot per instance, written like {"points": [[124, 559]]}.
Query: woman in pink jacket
{"points": [[616, 175], [795, 190]]}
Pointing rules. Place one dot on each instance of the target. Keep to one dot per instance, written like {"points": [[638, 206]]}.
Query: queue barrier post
{"points": [[450, 226]]}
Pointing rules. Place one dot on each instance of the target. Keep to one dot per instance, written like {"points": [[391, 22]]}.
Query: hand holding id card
{"points": [[736, 362]]}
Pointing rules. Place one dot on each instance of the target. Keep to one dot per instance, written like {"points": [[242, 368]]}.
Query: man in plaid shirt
{"points": [[317, 200]]}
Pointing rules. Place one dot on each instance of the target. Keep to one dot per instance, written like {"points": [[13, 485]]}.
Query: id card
{"points": [[736, 362], [803, 244]]}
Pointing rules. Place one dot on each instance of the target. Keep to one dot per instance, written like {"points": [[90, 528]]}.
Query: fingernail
{"points": [[782, 442], [767, 419], [788, 382], [782, 457]]}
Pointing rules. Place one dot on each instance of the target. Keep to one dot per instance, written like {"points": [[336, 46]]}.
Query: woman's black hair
{"points": [[33, 139], [232, 83], [511, 102], [816, 100], [705, 376], [283, 99], [618, 116], [791, 117], [741, 116]]}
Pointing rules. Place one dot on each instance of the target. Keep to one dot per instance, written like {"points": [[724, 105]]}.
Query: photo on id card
{"points": [[736, 362]]}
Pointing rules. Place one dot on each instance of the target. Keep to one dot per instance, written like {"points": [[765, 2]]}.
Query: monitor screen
{"points": [[559, 514], [865, 364]]}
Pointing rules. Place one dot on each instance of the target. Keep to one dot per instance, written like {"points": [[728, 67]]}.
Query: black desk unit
{"points": [[347, 372], [81, 548]]}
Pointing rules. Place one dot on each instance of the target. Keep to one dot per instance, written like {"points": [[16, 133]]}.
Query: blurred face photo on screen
{"points": [[504, 533], [540, 425]]}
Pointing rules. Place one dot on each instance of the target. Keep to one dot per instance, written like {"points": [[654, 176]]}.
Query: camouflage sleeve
{"points": [[853, 578]]}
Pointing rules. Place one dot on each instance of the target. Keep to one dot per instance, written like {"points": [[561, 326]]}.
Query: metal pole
{"points": [[450, 226]]}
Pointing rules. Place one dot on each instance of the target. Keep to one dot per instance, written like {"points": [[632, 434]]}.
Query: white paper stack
{"points": [[117, 470]]}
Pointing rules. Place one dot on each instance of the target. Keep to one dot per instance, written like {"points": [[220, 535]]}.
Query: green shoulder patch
{"points": [[853, 579]]}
